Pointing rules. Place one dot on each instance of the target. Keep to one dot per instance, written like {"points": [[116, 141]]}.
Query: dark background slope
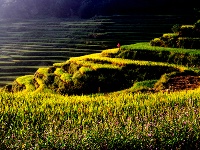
{"points": [[90, 8]]}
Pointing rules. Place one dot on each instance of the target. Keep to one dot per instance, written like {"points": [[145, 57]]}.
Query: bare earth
{"points": [[188, 82]]}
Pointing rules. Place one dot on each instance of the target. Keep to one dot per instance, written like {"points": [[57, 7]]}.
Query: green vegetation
{"points": [[184, 36], [123, 98], [143, 86], [144, 51], [137, 117], [96, 73], [24, 42], [102, 121]]}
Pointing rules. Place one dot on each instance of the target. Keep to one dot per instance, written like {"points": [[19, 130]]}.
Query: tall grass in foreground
{"points": [[109, 121]]}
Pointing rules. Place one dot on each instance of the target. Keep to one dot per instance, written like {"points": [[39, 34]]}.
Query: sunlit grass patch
{"points": [[59, 71], [27, 81], [143, 51], [143, 85], [147, 46], [156, 120], [57, 65], [43, 71], [66, 77], [84, 70], [117, 61], [42, 87], [109, 52]]}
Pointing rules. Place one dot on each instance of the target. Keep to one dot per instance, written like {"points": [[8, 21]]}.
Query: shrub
{"points": [[187, 42], [176, 28], [186, 30], [51, 69], [7, 88], [157, 42], [170, 35], [59, 72], [86, 83], [71, 67], [66, 88], [66, 77], [16, 87], [197, 28], [197, 25], [170, 39], [49, 79]]}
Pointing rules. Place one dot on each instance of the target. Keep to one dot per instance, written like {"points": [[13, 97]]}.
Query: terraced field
{"points": [[26, 45]]}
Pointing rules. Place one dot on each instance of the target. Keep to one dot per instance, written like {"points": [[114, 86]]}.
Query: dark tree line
{"points": [[89, 8]]}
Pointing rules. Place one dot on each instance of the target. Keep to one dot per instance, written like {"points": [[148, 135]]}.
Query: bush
{"points": [[170, 35], [189, 34], [197, 28], [71, 67], [84, 83], [16, 87], [170, 39], [7, 88], [176, 28], [51, 69], [186, 31], [157, 42], [185, 42], [197, 25], [49, 79]]}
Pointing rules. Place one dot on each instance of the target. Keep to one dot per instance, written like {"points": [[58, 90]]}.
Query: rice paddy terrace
{"points": [[26, 45]]}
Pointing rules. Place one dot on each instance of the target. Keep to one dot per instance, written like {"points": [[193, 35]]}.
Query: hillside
{"points": [[58, 40], [110, 71], [147, 111], [137, 97], [89, 8], [24, 42]]}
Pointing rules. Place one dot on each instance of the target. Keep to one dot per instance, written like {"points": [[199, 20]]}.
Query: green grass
{"points": [[112, 121], [66, 77], [95, 60], [85, 74], [20, 36], [143, 85], [125, 119], [59, 71], [143, 51], [43, 71], [42, 87], [147, 46], [84, 70], [27, 81]]}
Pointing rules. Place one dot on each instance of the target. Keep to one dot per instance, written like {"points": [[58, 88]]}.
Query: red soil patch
{"points": [[178, 83]]}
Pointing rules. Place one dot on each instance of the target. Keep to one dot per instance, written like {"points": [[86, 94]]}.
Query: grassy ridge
{"points": [[94, 73], [143, 51]]}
